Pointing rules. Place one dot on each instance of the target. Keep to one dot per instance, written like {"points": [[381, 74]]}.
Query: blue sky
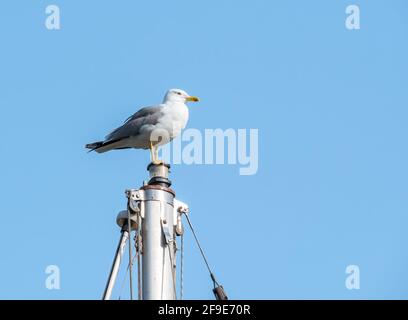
{"points": [[330, 105]]}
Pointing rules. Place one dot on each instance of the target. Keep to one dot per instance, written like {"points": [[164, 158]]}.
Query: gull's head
{"points": [[178, 95]]}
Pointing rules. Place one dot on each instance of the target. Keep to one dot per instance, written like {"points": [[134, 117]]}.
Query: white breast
{"points": [[175, 118]]}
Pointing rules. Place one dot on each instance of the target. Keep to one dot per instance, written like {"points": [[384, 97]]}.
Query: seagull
{"points": [[150, 127]]}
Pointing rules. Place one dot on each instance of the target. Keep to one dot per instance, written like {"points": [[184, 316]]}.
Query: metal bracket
{"points": [[135, 194], [166, 231], [136, 197], [179, 208]]}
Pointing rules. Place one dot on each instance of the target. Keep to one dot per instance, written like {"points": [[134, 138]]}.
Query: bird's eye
{"points": [[179, 93]]}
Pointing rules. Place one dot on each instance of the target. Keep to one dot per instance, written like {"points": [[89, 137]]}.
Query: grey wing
{"points": [[133, 124]]}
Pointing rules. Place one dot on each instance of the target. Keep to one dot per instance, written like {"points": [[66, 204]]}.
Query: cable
{"points": [[202, 252], [218, 290], [124, 279], [182, 266], [172, 272], [138, 245], [130, 254]]}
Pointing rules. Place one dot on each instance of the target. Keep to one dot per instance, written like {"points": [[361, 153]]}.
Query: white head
{"points": [[178, 95]]}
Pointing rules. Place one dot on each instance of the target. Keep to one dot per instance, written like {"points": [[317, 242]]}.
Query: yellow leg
{"points": [[151, 152], [154, 152]]}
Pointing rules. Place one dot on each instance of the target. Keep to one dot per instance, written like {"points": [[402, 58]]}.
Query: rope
{"points": [[172, 271], [182, 267], [201, 251], [124, 279], [138, 244], [130, 255]]}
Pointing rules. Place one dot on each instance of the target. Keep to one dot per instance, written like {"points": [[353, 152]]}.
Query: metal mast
{"points": [[155, 215], [158, 238]]}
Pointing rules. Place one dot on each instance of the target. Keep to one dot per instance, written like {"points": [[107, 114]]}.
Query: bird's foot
{"points": [[158, 162]]}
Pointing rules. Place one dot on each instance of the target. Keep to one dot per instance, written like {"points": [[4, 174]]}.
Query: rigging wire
{"points": [[182, 266], [124, 279], [173, 275], [130, 254], [215, 282], [138, 245]]}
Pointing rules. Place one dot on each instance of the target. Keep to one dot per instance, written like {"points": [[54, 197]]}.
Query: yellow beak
{"points": [[192, 99]]}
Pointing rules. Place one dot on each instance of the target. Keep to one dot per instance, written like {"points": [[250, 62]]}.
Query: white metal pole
{"points": [[116, 263], [158, 258]]}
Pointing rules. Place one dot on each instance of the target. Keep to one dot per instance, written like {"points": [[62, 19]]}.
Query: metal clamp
{"points": [[180, 208], [135, 194], [166, 231]]}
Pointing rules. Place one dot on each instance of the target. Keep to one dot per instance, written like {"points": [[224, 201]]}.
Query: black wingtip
{"points": [[94, 146]]}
